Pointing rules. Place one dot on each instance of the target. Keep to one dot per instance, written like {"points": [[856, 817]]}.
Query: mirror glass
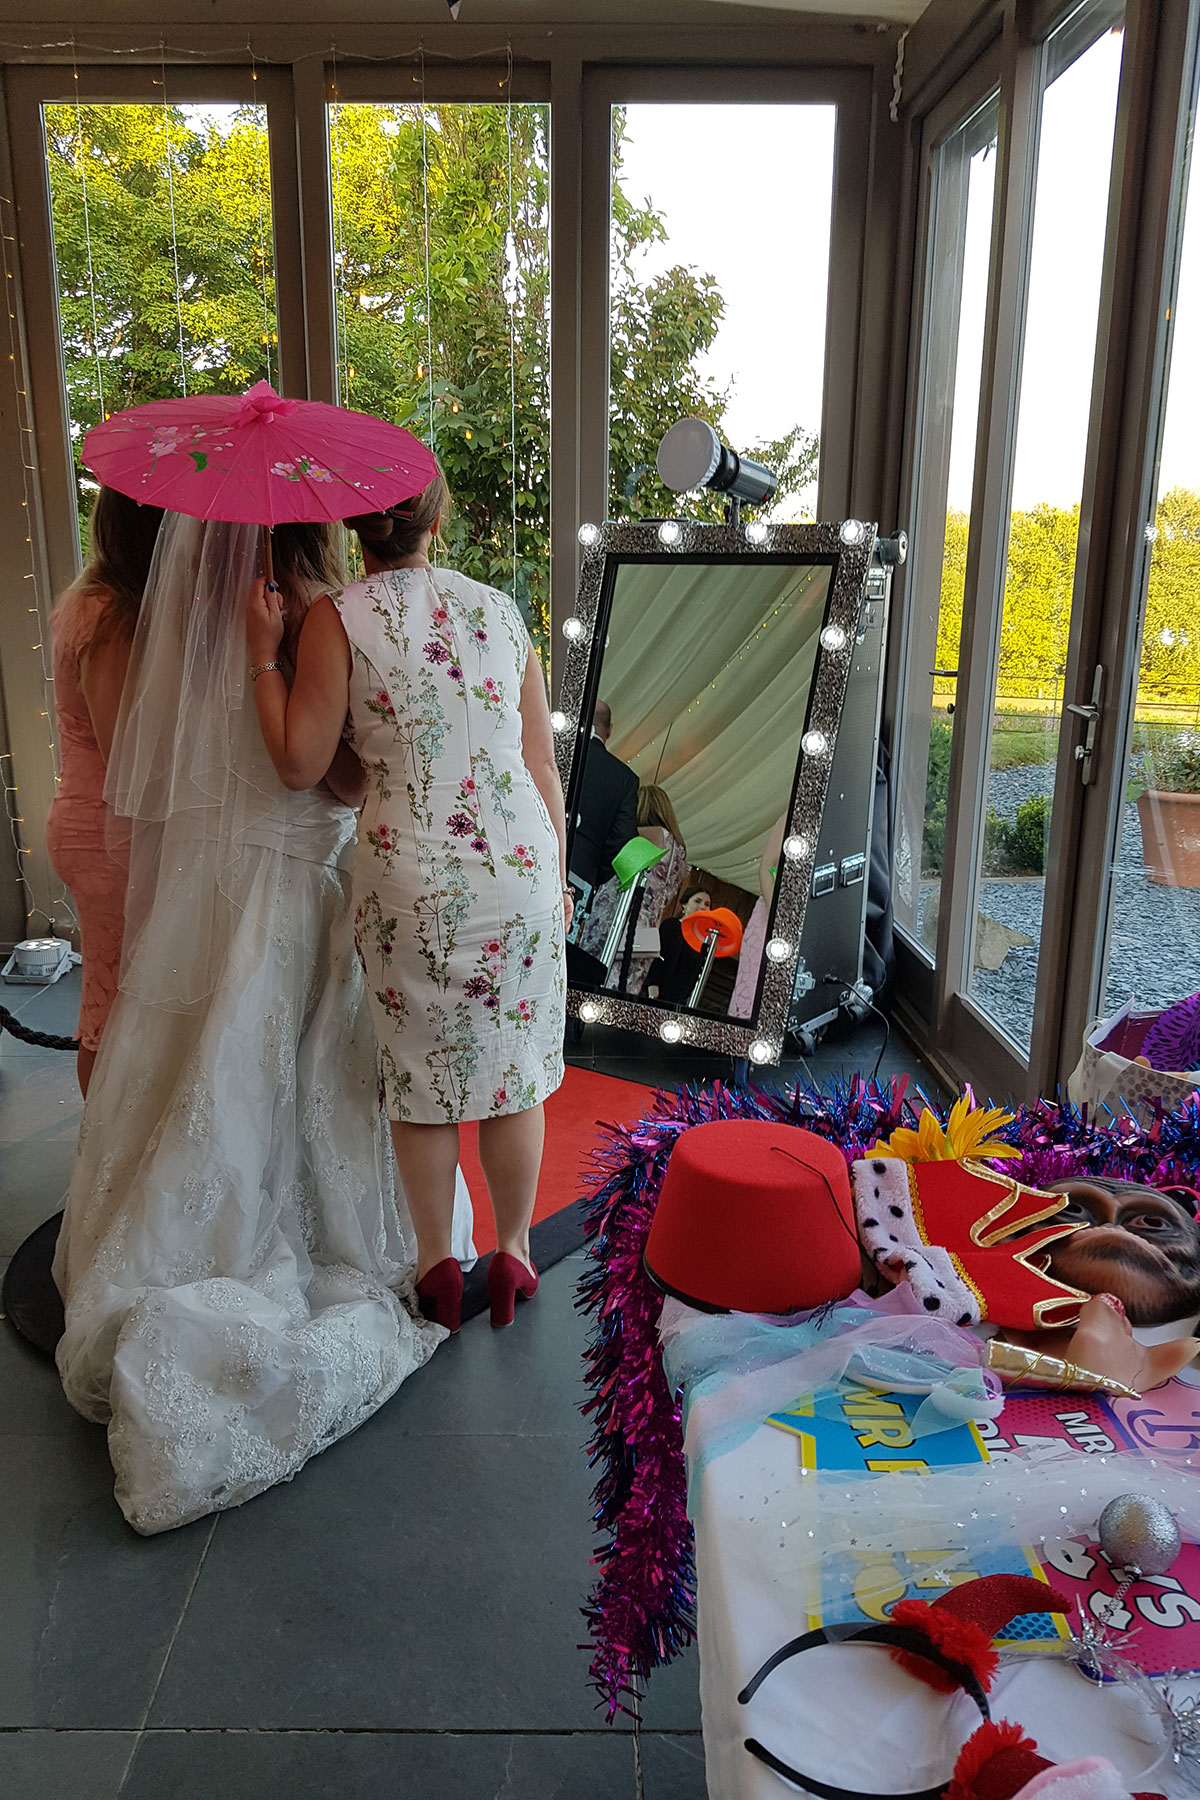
{"points": [[700, 693]]}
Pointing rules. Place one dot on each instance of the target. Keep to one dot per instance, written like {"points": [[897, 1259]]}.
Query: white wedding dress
{"points": [[234, 1263]]}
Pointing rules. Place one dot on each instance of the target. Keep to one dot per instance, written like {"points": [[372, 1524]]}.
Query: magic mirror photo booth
{"points": [[739, 669]]}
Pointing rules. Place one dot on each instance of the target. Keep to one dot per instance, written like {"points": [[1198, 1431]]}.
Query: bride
{"points": [[235, 1259]]}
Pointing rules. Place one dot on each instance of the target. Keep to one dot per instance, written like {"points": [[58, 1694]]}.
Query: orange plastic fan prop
{"points": [[697, 926]]}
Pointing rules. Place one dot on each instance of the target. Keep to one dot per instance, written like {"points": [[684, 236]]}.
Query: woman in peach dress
{"points": [[92, 628]]}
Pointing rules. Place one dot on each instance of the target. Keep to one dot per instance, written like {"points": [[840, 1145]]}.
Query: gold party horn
{"points": [[1050, 1371]]}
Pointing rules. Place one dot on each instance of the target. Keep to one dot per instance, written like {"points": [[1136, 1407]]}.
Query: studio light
{"points": [[692, 456]]}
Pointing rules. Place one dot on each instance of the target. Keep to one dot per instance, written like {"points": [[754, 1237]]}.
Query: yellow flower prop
{"points": [[964, 1139]]}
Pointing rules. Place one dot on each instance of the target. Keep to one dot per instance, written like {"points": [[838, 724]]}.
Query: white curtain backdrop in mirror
{"points": [[707, 671]]}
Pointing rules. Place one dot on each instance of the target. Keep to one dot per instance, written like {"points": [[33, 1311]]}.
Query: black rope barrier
{"points": [[42, 1040]]}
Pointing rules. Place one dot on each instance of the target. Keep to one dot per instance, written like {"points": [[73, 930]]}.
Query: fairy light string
{"points": [[335, 137], [62, 912], [81, 170], [261, 162], [428, 277], [511, 296], [174, 226]]}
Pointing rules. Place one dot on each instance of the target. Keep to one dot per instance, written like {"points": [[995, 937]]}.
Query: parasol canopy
{"points": [[257, 458]]}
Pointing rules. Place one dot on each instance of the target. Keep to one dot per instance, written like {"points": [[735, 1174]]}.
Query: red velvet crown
{"points": [[968, 1240], [754, 1217]]}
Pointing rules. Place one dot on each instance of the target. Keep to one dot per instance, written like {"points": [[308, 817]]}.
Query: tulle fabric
{"points": [[191, 789], [235, 1259]]}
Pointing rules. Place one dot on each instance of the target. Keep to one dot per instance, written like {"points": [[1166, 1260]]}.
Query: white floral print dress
{"points": [[458, 899]]}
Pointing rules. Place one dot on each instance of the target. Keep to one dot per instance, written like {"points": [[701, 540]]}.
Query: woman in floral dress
{"points": [[460, 877]]}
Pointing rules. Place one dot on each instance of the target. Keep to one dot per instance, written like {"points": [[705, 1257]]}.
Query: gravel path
{"points": [[1154, 934]]}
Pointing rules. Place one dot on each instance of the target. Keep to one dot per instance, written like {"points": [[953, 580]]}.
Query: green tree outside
{"points": [[208, 209]]}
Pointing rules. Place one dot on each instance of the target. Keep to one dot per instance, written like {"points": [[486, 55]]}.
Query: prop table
{"points": [[754, 1508], [848, 1714]]}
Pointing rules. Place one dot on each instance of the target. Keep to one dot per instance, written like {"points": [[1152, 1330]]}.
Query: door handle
{"points": [[1089, 712]]}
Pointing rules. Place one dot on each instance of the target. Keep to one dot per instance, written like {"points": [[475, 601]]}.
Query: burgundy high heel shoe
{"points": [[508, 1281], [440, 1292]]}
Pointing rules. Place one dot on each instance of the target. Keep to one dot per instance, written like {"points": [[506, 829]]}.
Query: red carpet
{"points": [[583, 1102]]}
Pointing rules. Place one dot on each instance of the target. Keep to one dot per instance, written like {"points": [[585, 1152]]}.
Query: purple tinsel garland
{"points": [[642, 1608]]}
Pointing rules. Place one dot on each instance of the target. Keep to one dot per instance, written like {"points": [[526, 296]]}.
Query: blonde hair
{"points": [[393, 535], [654, 808], [308, 563]]}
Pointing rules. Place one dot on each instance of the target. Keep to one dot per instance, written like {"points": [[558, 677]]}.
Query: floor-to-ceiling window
{"points": [[163, 255], [718, 297], [440, 217]]}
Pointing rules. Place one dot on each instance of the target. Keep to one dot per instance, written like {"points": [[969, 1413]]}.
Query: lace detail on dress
{"points": [[236, 1271]]}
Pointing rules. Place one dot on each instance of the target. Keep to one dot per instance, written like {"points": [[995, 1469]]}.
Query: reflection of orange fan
{"points": [[697, 926]]}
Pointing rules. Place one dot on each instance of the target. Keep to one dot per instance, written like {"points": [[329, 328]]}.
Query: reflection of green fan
{"points": [[633, 859]]}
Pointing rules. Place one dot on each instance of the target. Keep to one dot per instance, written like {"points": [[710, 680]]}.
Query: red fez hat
{"points": [[754, 1217]]}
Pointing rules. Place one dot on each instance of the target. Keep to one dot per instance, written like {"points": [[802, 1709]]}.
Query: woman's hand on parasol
{"points": [[264, 622]]}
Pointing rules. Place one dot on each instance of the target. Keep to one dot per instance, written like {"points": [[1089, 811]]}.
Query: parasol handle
{"points": [[268, 559]]}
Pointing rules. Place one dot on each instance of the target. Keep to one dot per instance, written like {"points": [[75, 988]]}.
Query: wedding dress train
{"points": [[235, 1258]]}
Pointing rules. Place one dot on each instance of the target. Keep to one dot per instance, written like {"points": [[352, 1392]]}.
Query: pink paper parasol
{"points": [[257, 459]]}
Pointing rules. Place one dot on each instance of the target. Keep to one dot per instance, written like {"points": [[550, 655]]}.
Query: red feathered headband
{"points": [[948, 1644]]}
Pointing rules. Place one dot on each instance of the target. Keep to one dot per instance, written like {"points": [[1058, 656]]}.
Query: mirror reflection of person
{"points": [[657, 822], [606, 812], [672, 975], [745, 987]]}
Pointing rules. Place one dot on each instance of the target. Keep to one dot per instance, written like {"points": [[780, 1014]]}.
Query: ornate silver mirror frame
{"points": [[849, 544]]}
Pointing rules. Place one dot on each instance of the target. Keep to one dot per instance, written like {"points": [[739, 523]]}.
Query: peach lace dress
{"points": [[76, 834]]}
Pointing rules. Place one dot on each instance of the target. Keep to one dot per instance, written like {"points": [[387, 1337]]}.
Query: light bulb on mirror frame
{"points": [[589, 1011], [670, 531], [559, 721], [852, 531], [761, 1052], [573, 629], [757, 531], [778, 949], [833, 638], [814, 743], [795, 847], [670, 1031], [588, 535]]}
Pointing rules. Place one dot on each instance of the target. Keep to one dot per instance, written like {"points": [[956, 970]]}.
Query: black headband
{"points": [[894, 1637]]}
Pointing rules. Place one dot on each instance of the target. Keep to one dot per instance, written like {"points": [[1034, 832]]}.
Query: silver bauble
{"points": [[1139, 1533]]}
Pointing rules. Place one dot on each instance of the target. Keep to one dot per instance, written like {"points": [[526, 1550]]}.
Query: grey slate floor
{"points": [[401, 1621]]}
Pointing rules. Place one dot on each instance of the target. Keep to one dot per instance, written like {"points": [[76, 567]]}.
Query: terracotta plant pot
{"points": [[1171, 837]]}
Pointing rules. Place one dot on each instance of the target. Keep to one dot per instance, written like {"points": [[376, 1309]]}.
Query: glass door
{"points": [[961, 207], [1152, 936], [1071, 176]]}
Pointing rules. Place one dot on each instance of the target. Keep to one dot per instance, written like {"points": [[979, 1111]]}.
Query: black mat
{"points": [[35, 1310], [31, 1301]]}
